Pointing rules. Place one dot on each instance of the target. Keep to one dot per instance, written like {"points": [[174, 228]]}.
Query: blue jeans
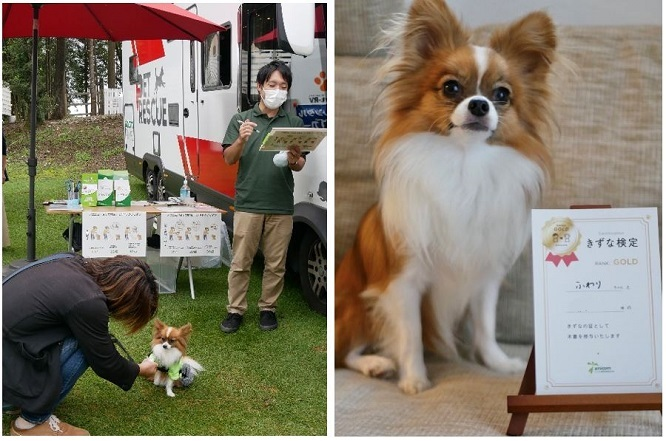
{"points": [[72, 365]]}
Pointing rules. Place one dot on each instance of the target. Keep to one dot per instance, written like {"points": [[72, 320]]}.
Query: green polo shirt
{"points": [[261, 187]]}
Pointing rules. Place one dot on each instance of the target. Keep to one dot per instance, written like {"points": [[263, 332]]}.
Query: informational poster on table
{"points": [[108, 234], [597, 301], [190, 234]]}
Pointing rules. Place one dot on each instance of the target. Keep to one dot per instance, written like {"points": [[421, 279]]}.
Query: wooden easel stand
{"points": [[526, 402]]}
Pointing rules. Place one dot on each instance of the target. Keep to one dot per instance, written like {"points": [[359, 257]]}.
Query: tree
{"points": [[77, 67], [92, 84], [16, 71], [69, 70], [111, 63], [59, 81]]}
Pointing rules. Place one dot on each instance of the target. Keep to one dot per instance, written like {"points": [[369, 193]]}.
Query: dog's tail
{"points": [[366, 267], [194, 365]]}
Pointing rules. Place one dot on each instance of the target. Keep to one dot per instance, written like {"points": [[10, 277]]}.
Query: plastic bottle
{"points": [[184, 192]]}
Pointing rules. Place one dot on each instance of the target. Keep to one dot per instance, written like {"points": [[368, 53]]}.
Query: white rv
{"points": [[179, 97]]}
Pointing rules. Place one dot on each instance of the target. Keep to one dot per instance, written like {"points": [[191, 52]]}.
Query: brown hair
{"points": [[130, 287]]}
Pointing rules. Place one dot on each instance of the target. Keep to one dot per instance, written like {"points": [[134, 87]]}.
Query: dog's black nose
{"points": [[478, 107], [165, 346]]}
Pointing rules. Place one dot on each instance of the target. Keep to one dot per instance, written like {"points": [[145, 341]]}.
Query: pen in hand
{"points": [[241, 122]]}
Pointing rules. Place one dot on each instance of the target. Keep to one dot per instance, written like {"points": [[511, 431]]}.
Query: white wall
{"points": [[564, 12]]}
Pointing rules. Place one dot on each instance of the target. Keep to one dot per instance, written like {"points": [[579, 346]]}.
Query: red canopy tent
{"points": [[102, 21], [105, 21]]}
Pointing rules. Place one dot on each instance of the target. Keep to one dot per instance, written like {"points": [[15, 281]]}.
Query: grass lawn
{"points": [[255, 382]]}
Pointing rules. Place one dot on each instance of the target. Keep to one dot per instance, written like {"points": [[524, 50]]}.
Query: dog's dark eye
{"points": [[163, 339], [452, 89], [501, 95]]}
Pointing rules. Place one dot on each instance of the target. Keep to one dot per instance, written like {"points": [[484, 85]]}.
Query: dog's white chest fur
{"points": [[166, 357], [466, 207], [458, 211]]}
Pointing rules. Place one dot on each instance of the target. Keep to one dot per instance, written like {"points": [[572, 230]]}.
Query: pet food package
{"points": [[88, 189], [105, 187], [121, 188]]}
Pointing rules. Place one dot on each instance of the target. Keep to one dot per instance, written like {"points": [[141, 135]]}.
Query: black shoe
{"points": [[231, 323], [267, 320]]}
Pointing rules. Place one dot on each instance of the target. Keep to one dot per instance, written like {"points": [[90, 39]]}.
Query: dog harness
{"points": [[172, 371]]}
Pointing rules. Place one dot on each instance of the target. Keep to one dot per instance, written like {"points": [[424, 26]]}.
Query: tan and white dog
{"points": [[461, 158], [169, 347]]}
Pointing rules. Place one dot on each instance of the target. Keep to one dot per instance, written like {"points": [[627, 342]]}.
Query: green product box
{"points": [[121, 188], [88, 190], [105, 187]]}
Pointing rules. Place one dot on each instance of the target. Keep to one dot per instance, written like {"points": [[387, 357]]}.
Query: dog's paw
{"points": [[170, 393], [376, 366], [509, 365], [414, 385]]}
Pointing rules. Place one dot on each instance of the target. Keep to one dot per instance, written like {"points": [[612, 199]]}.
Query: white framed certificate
{"points": [[597, 301]]}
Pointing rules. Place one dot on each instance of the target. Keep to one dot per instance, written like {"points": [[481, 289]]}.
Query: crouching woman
{"points": [[55, 316]]}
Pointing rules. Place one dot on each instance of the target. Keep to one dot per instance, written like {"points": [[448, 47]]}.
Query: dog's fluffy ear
{"points": [[158, 325], [529, 43], [185, 331], [431, 26]]}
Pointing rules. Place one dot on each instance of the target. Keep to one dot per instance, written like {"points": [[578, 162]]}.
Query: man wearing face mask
{"points": [[264, 203]]}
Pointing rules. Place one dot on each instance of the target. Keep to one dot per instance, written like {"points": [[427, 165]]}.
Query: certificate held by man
{"points": [[597, 301], [282, 138]]}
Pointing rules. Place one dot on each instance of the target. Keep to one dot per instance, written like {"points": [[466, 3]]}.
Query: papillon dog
{"points": [[174, 367], [461, 157]]}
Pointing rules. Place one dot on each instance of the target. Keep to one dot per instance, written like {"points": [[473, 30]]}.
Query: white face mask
{"points": [[274, 98]]}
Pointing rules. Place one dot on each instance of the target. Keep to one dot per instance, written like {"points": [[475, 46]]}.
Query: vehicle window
{"points": [[216, 59], [260, 45], [133, 70], [193, 78]]}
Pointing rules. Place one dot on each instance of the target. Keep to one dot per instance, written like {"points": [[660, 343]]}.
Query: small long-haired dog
{"points": [[174, 367], [461, 157]]}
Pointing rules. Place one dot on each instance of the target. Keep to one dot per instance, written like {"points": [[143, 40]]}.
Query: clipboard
{"points": [[281, 138]]}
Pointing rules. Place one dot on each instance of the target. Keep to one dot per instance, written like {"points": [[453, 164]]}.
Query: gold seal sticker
{"points": [[562, 238]]}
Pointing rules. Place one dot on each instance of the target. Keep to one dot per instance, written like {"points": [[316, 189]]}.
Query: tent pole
{"points": [[32, 159]]}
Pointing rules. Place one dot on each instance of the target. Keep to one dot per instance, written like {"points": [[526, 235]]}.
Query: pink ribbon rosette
{"points": [[561, 238]]}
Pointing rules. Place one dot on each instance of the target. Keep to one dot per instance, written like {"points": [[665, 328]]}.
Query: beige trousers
{"points": [[249, 230]]}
